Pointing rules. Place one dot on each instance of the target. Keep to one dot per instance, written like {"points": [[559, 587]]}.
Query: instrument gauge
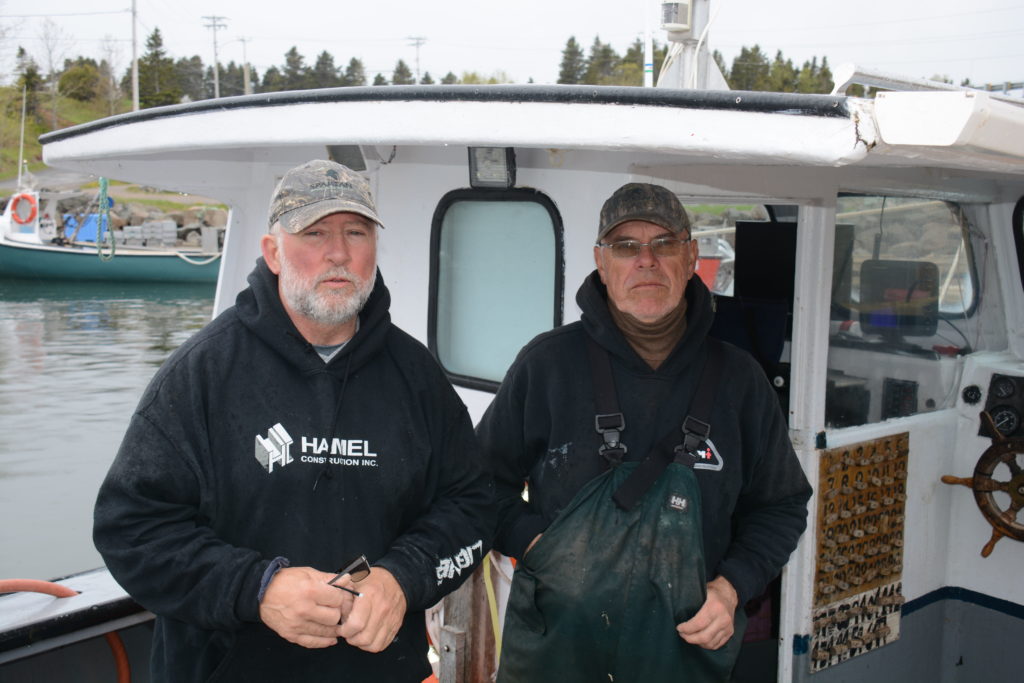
{"points": [[1006, 419], [1003, 387]]}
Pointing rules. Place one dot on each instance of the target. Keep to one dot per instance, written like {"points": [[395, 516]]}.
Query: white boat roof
{"points": [[962, 130]]}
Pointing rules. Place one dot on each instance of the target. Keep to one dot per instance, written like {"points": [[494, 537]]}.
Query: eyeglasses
{"points": [[358, 569], [664, 247]]}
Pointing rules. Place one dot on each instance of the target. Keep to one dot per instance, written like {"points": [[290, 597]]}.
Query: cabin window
{"points": [[903, 292], [714, 228], [496, 280]]}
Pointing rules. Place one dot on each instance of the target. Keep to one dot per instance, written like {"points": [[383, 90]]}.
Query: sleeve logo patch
{"points": [[450, 567]]}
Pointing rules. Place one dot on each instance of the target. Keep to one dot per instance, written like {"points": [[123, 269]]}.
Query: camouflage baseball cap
{"points": [[643, 202], [316, 189]]}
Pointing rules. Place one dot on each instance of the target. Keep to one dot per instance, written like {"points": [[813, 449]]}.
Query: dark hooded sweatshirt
{"points": [[246, 446], [540, 430]]}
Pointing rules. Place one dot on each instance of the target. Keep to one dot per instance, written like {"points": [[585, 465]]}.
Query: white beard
{"points": [[325, 308]]}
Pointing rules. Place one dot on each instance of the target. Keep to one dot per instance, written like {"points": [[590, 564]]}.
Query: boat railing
{"points": [[851, 74]]}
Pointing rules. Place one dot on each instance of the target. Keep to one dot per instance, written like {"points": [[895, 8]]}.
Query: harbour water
{"points": [[74, 360]]}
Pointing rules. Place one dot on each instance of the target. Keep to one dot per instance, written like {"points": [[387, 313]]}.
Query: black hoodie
{"points": [[540, 429], [247, 446]]}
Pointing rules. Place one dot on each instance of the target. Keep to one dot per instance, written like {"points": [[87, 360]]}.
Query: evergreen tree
{"points": [[574, 66], [426, 80], [295, 73], [324, 74], [449, 79], [750, 70], [601, 64], [631, 70], [813, 78], [273, 80], [158, 84], [402, 74], [30, 80], [232, 79], [783, 76], [196, 81], [825, 80], [379, 79], [355, 73]]}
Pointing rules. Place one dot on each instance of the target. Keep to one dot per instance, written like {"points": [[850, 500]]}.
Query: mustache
{"points": [[339, 272]]}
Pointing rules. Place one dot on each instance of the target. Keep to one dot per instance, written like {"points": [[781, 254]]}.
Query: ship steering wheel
{"points": [[1003, 451]]}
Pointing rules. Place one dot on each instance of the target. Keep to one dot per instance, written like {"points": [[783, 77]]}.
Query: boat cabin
{"points": [[868, 252]]}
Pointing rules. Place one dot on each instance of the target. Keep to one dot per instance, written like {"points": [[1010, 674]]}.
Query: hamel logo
{"points": [[274, 449]]}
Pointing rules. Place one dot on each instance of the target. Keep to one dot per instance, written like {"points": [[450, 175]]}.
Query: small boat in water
{"points": [[35, 245]]}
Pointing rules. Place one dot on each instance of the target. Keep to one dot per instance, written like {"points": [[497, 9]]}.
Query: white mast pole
{"points": [[135, 64], [21, 145], [648, 50]]}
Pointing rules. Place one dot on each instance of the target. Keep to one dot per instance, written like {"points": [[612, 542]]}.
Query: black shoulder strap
{"points": [[609, 420], [696, 430]]}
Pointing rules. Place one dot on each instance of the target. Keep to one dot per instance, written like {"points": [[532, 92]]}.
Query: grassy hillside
{"points": [[69, 112]]}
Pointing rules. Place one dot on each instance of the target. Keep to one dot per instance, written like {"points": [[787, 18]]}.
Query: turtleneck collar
{"points": [[653, 342]]}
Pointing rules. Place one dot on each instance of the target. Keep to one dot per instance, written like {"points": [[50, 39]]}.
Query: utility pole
{"points": [[135, 63], [417, 41], [246, 82], [214, 23]]}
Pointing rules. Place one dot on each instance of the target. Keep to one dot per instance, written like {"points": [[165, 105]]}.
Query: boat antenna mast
{"points": [[21, 143], [688, 63]]}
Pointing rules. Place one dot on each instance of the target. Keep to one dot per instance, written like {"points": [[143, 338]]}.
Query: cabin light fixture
{"points": [[492, 167], [677, 17]]}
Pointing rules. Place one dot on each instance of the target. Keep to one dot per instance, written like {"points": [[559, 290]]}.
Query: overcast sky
{"points": [[982, 40]]}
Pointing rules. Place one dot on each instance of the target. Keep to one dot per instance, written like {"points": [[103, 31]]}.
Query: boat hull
{"points": [[71, 263]]}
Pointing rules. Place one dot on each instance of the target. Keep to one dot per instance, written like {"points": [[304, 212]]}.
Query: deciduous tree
{"points": [[80, 79]]}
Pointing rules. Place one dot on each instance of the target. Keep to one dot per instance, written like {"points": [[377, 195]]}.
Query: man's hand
{"points": [[376, 615], [712, 625], [302, 608]]}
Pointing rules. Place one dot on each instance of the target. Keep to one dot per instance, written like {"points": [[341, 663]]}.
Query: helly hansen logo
{"points": [[274, 449], [678, 503], [707, 457]]}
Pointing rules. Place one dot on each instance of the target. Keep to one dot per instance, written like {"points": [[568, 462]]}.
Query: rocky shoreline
{"points": [[188, 221]]}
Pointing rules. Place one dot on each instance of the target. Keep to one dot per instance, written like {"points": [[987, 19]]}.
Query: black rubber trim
{"points": [[1018, 237], [64, 624], [730, 100]]}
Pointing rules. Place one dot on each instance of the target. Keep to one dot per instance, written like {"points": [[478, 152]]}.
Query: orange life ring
{"points": [[31, 214]]}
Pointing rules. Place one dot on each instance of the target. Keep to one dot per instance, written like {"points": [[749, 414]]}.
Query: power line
{"points": [[63, 14], [215, 23], [417, 41]]}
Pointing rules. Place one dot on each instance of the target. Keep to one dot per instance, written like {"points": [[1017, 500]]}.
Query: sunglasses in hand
{"points": [[358, 569]]}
